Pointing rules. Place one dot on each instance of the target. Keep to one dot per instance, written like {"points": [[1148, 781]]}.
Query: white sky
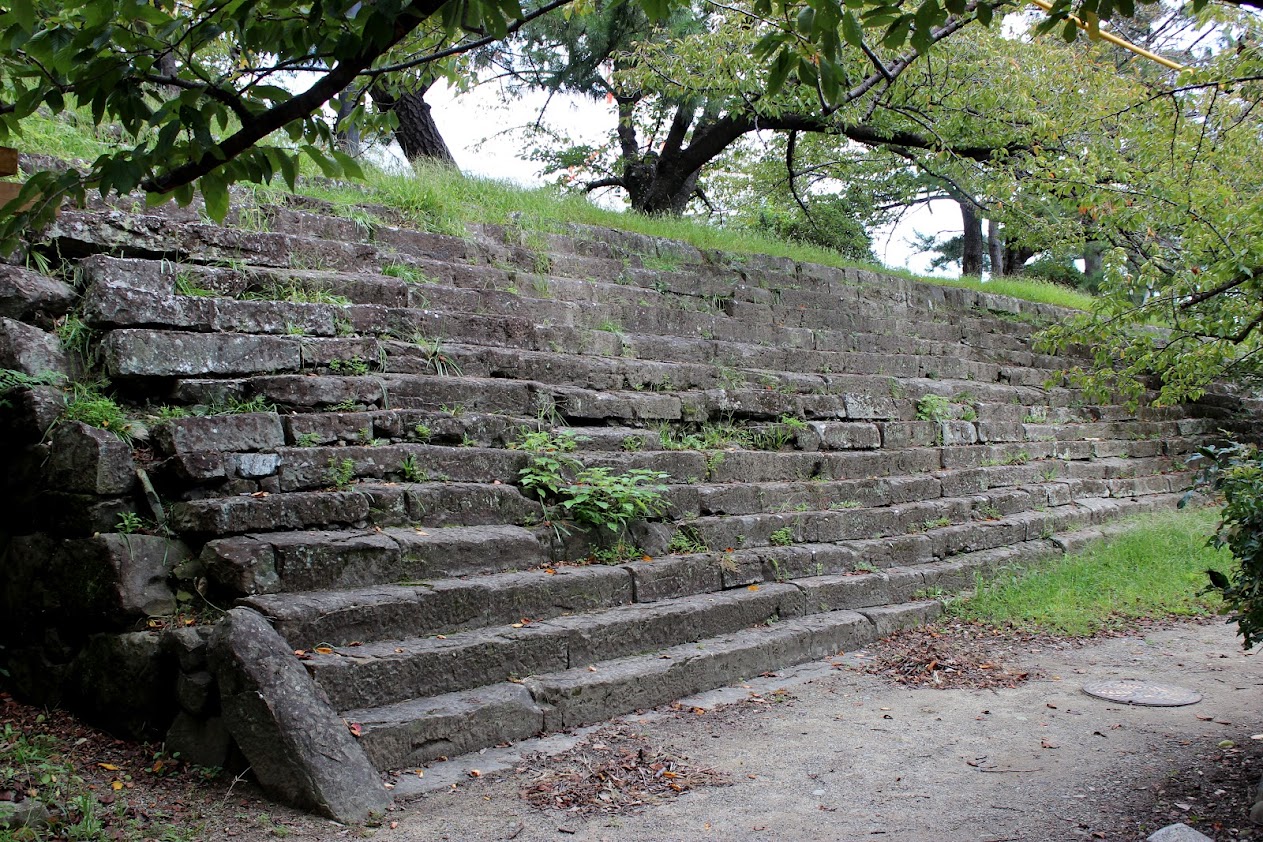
{"points": [[477, 124]]}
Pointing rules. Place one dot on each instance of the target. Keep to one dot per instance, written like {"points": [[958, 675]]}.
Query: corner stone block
{"points": [[121, 577], [223, 433], [24, 294], [29, 350], [90, 460], [155, 353], [299, 749], [124, 682], [242, 565]]}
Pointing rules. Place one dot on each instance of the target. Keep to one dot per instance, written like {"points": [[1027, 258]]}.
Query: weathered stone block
{"points": [[956, 433], [846, 436], [866, 406], [89, 460], [120, 578], [222, 433], [30, 350], [27, 295], [255, 465], [124, 682], [203, 742], [124, 305], [156, 353], [242, 565], [299, 749], [187, 644], [193, 691]]}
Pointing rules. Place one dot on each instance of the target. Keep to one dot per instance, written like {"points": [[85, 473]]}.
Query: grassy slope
{"points": [[443, 201], [1153, 571]]}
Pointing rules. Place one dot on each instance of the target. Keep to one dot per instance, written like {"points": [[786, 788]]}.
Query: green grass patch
{"points": [[1155, 570], [442, 200]]}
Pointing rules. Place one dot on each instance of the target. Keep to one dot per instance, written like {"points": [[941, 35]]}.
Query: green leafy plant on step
{"points": [[620, 552], [933, 408], [864, 567], [545, 441], [588, 497], [12, 381], [77, 338], [687, 540], [987, 512], [412, 472], [782, 537], [232, 405], [129, 523], [340, 473], [434, 357], [407, 274], [296, 293], [844, 504], [356, 366], [185, 285], [89, 406], [632, 444], [307, 440], [423, 432]]}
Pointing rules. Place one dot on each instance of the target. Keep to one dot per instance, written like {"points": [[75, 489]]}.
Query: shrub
{"points": [[934, 408], [1236, 472], [589, 497]]}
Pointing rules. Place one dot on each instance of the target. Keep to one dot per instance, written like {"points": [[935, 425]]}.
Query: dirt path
{"points": [[839, 755], [823, 752]]}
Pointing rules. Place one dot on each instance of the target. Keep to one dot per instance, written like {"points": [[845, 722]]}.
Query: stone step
{"points": [[124, 294], [272, 562], [414, 732], [384, 672], [373, 674], [339, 617]]}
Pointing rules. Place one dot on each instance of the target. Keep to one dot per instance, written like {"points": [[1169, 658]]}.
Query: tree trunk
{"points": [[417, 133], [658, 186], [1093, 263], [995, 248], [348, 134], [971, 244], [1015, 257]]}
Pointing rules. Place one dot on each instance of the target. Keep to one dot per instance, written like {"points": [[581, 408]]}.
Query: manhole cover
{"points": [[1131, 692]]}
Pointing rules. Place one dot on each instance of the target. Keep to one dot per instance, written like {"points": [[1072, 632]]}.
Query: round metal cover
{"points": [[1132, 692]]}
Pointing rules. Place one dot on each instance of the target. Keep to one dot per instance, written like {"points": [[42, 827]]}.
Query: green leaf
{"points": [[852, 32], [779, 71], [984, 13], [215, 193], [1069, 32], [806, 19]]}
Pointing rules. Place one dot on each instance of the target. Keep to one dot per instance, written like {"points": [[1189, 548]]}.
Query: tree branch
{"points": [[297, 107]]}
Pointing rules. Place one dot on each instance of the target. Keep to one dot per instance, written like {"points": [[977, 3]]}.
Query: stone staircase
{"points": [[345, 413]]}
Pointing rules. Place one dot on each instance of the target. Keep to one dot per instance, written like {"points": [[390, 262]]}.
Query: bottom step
{"points": [[417, 731]]}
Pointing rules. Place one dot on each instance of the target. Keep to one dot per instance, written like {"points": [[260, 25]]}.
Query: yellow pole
{"points": [[1095, 32]]}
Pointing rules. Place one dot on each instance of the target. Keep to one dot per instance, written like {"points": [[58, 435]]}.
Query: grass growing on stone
{"points": [[441, 200], [1154, 571]]}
